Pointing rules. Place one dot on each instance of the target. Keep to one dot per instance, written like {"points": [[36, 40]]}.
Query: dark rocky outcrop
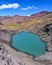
{"points": [[48, 29], [40, 14]]}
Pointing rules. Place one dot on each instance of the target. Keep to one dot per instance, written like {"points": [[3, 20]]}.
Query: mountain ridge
{"points": [[25, 22]]}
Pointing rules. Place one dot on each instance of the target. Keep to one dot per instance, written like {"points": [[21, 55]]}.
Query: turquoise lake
{"points": [[29, 43]]}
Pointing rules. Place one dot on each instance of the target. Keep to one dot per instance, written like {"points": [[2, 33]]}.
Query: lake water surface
{"points": [[29, 43]]}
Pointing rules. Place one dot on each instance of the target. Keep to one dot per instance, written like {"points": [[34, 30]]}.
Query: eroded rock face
{"points": [[5, 36], [48, 29]]}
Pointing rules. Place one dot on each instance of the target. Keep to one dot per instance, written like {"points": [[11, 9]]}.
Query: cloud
{"points": [[29, 8], [14, 5], [24, 8], [28, 15]]}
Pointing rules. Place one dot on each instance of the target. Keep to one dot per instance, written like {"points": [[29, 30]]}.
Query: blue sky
{"points": [[24, 7]]}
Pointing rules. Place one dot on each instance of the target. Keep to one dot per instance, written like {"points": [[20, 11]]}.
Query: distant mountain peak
{"points": [[42, 13]]}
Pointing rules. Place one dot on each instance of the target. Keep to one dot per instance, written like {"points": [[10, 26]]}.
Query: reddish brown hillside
{"points": [[40, 14]]}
